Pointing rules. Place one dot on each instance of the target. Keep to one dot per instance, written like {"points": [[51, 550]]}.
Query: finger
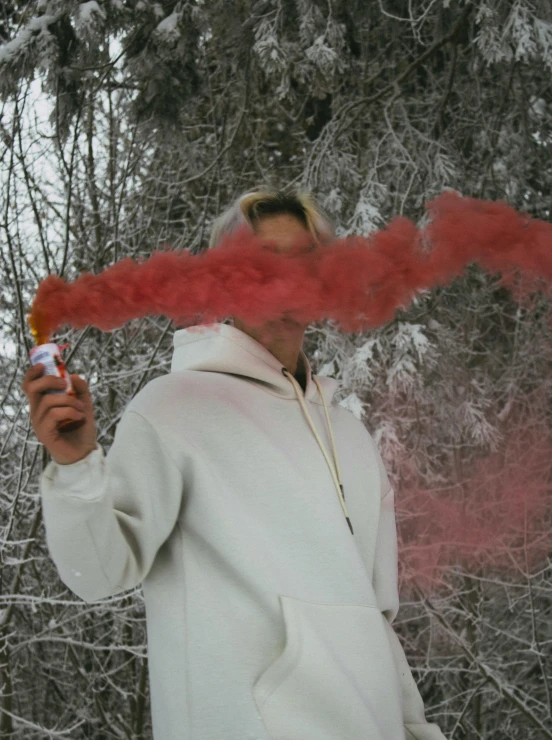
{"points": [[61, 413], [46, 383], [35, 371], [37, 388], [52, 402], [80, 385]]}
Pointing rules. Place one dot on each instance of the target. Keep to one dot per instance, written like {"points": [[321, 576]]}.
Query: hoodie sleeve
{"points": [[107, 516], [386, 589]]}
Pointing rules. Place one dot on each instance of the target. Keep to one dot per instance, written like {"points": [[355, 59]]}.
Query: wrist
{"points": [[76, 459]]}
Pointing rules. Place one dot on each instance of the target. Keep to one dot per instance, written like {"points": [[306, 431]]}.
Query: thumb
{"points": [[80, 385]]}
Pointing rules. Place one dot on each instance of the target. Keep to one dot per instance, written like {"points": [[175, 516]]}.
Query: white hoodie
{"points": [[266, 618]]}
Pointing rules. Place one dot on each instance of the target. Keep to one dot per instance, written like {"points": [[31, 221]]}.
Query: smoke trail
{"points": [[357, 281]]}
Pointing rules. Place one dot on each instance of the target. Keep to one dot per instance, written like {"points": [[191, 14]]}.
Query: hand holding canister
{"points": [[62, 414]]}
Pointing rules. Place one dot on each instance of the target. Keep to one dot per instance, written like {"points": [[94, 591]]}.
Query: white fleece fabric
{"points": [[266, 618]]}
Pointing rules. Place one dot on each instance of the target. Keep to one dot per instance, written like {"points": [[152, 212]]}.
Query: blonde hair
{"points": [[251, 207]]}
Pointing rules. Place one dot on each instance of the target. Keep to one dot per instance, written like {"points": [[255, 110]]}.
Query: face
{"points": [[283, 228]]}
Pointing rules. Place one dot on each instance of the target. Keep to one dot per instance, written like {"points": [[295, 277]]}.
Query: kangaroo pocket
{"points": [[334, 680]]}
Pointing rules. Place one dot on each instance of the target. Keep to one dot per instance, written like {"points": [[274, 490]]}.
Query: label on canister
{"points": [[49, 355]]}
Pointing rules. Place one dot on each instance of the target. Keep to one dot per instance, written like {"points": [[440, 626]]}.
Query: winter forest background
{"points": [[129, 124]]}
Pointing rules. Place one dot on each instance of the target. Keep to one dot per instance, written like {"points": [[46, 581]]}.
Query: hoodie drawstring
{"points": [[334, 469]]}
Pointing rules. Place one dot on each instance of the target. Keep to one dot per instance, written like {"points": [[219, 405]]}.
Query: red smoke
{"points": [[357, 281], [497, 519]]}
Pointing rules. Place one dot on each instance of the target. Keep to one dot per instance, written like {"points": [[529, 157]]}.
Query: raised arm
{"points": [[107, 516]]}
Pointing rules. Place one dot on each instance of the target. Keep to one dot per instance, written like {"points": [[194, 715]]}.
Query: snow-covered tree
{"points": [[129, 124]]}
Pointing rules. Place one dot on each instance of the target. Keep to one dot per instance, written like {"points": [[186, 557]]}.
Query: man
{"points": [[259, 519]]}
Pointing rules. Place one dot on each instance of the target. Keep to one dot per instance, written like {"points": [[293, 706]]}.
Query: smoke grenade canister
{"points": [[49, 355]]}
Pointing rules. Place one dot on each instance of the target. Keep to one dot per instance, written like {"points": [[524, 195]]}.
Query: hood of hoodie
{"points": [[222, 348]]}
